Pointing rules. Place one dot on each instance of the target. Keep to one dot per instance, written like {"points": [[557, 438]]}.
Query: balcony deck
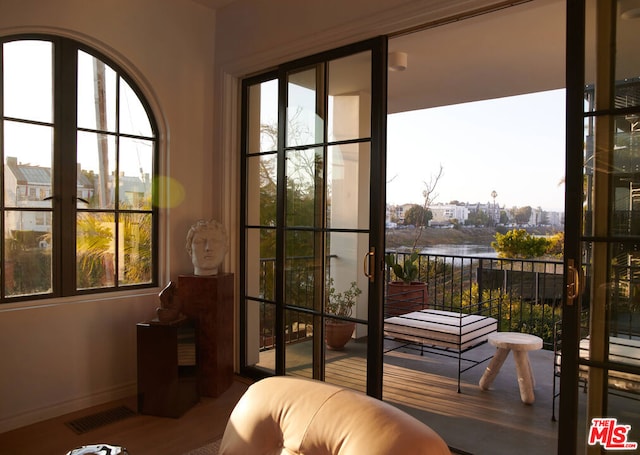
{"points": [[426, 387], [524, 295], [473, 421]]}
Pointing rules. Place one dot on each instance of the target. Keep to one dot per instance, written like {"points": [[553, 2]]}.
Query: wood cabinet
{"points": [[167, 368]]}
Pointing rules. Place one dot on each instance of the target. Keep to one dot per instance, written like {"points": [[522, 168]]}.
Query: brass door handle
{"points": [[575, 282], [369, 258]]}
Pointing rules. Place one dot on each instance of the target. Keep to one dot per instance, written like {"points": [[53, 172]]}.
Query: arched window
{"points": [[79, 147]]}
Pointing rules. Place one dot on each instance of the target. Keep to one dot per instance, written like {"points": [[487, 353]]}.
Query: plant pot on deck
{"points": [[404, 298], [338, 333]]}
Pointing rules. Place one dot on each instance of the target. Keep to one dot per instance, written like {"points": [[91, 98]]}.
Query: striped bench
{"points": [[442, 332]]}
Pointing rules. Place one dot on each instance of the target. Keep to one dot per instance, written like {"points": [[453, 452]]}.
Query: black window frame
{"points": [[64, 185]]}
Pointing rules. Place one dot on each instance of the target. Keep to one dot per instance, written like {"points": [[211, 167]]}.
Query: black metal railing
{"points": [[525, 294]]}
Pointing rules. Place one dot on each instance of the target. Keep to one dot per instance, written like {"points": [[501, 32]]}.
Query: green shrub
{"points": [[518, 243]]}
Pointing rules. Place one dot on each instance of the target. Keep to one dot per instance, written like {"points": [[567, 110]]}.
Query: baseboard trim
{"points": [[65, 407]]}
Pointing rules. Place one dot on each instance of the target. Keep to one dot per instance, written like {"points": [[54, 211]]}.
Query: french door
{"points": [[313, 173], [601, 315]]}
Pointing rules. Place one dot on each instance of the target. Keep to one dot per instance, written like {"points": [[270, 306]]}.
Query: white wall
{"points": [[61, 356]]}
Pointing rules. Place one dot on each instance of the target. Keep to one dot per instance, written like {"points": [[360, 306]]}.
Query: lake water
{"points": [[461, 250]]}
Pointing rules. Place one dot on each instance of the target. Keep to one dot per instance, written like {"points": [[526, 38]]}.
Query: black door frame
{"points": [[377, 195], [574, 70]]}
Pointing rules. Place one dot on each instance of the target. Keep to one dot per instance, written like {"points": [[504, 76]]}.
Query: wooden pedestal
{"points": [[208, 300], [167, 368]]}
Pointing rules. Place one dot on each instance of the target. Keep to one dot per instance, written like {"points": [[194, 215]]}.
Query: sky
{"points": [[28, 94], [514, 146]]}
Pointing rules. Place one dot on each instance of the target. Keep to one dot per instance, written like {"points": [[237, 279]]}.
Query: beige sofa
{"points": [[286, 415]]}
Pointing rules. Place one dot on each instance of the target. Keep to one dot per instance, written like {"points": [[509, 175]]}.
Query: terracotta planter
{"points": [[404, 298], [337, 334]]}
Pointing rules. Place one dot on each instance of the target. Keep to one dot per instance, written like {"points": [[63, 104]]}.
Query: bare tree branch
{"points": [[429, 195]]}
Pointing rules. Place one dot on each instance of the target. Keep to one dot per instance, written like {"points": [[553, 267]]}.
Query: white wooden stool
{"points": [[520, 344]]}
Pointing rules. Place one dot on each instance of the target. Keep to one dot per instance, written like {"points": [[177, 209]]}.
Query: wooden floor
{"points": [[140, 434]]}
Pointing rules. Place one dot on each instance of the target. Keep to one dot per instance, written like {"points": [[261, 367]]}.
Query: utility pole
{"points": [[101, 124], [496, 216]]}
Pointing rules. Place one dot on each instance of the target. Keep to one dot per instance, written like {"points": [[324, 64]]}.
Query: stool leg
{"points": [[494, 368], [525, 376], [533, 378]]}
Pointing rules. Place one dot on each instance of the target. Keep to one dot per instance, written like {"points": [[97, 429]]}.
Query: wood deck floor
{"points": [[425, 386]]}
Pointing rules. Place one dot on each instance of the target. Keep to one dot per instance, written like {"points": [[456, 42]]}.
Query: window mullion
{"points": [[65, 168]]}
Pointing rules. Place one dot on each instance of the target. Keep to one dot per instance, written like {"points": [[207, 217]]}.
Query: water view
{"points": [[461, 250]]}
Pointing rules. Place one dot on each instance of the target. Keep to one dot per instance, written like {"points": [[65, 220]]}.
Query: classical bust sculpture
{"points": [[207, 245]]}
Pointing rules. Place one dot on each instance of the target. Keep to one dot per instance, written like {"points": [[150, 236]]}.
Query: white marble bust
{"points": [[207, 245]]}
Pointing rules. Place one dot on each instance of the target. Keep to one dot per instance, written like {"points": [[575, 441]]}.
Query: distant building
{"points": [[396, 213], [555, 218], [443, 214], [28, 186], [487, 209], [447, 212]]}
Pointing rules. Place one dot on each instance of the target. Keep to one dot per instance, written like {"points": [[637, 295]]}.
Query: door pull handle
{"points": [[369, 258], [575, 282]]}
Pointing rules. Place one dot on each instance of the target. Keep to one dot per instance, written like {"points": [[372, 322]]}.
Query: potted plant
{"points": [[405, 293], [406, 272], [337, 331]]}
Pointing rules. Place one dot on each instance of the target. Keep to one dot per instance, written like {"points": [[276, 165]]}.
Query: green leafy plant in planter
{"points": [[406, 272], [342, 303], [406, 294], [338, 332]]}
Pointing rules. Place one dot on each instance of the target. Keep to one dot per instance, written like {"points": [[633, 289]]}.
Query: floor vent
{"points": [[93, 421]]}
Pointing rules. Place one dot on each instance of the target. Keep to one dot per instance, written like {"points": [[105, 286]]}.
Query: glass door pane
{"points": [[260, 220], [306, 218], [327, 215]]}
